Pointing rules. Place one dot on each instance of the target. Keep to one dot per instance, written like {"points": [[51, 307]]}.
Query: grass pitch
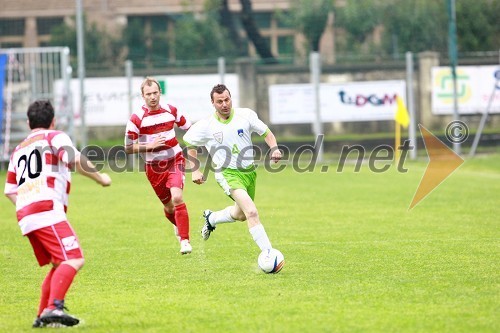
{"points": [[356, 259]]}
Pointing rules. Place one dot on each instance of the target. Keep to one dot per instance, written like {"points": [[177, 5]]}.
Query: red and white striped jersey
{"points": [[145, 125], [40, 176]]}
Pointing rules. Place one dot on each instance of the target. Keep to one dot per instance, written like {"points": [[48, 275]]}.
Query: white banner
{"points": [[475, 85], [356, 101], [191, 93], [106, 99]]}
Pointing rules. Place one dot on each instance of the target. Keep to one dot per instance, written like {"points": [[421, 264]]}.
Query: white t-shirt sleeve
{"points": [[256, 125], [197, 134]]}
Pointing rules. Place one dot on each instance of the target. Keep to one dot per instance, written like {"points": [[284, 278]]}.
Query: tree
{"points": [[145, 48], [477, 25], [134, 38], [420, 25], [415, 25], [359, 19], [201, 38], [253, 32], [100, 48], [310, 17], [227, 21]]}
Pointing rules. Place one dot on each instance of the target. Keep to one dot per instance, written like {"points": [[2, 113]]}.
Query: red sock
{"points": [[61, 281], [170, 216], [44, 297], [182, 219]]}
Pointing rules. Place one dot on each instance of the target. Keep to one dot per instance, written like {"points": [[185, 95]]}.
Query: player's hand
{"points": [[276, 155], [197, 177], [104, 179], [157, 142]]}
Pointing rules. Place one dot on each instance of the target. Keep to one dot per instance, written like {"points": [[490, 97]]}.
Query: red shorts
{"points": [[55, 243], [164, 175]]}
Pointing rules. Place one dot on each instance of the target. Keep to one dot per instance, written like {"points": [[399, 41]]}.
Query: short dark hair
{"points": [[218, 88], [40, 114]]}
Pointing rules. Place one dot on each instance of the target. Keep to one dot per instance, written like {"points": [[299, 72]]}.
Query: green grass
{"points": [[356, 259]]}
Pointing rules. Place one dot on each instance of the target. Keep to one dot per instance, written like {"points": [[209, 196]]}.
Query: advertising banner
{"points": [[475, 86], [107, 103], [3, 62], [356, 101]]}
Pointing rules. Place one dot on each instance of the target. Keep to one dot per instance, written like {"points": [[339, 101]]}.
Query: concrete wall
{"points": [[255, 79]]}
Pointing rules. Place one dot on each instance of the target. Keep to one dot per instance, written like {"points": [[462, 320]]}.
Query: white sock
{"points": [[221, 216], [260, 237]]}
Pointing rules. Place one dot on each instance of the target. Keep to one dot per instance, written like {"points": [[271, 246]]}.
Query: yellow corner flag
{"points": [[401, 116]]}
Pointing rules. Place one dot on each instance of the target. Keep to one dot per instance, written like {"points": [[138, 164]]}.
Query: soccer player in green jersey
{"points": [[226, 135]]}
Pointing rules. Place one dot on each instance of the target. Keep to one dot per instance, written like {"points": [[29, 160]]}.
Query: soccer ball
{"points": [[271, 261]]}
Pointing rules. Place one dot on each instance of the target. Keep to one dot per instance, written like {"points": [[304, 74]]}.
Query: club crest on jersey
{"points": [[240, 132], [218, 137]]}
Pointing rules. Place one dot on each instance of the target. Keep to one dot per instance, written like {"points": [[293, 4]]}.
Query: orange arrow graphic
{"points": [[442, 162]]}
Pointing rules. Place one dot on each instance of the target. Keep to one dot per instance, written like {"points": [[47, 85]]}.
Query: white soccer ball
{"points": [[271, 261]]}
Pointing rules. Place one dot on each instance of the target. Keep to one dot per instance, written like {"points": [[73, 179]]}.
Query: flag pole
{"points": [[397, 141]]}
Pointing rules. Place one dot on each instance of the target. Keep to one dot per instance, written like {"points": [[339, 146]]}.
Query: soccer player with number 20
{"points": [[38, 183]]}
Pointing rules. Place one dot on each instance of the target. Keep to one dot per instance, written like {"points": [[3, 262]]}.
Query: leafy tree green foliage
{"points": [[147, 42], [253, 33], [201, 38], [415, 25], [358, 19], [478, 25], [100, 48], [419, 25], [310, 17], [227, 21], [134, 38]]}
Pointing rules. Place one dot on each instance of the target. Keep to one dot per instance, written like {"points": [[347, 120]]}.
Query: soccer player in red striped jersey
{"points": [[150, 132], [38, 183]]}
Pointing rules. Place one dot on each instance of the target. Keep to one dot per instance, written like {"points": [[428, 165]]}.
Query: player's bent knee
{"points": [[240, 217], [75, 263], [177, 200], [252, 214]]}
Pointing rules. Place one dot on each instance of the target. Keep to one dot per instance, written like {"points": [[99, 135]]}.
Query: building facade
{"points": [[28, 23]]}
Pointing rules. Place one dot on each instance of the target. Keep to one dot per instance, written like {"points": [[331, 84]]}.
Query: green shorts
{"points": [[230, 179]]}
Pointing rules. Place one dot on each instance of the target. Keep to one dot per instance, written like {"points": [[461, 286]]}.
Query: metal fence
{"points": [[30, 74]]}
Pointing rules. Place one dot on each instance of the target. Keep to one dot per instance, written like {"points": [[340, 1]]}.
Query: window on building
{"points": [[12, 27], [268, 41], [10, 45], [159, 23], [263, 20], [285, 45], [147, 40], [44, 25]]}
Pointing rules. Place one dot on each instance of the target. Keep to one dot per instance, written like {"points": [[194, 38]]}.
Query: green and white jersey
{"points": [[228, 141]]}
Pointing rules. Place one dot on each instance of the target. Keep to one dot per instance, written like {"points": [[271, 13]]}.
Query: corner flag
{"points": [[401, 116]]}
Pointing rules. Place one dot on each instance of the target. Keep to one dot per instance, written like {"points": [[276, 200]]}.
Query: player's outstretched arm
{"points": [[12, 197], [86, 168], [194, 166], [273, 144]]}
